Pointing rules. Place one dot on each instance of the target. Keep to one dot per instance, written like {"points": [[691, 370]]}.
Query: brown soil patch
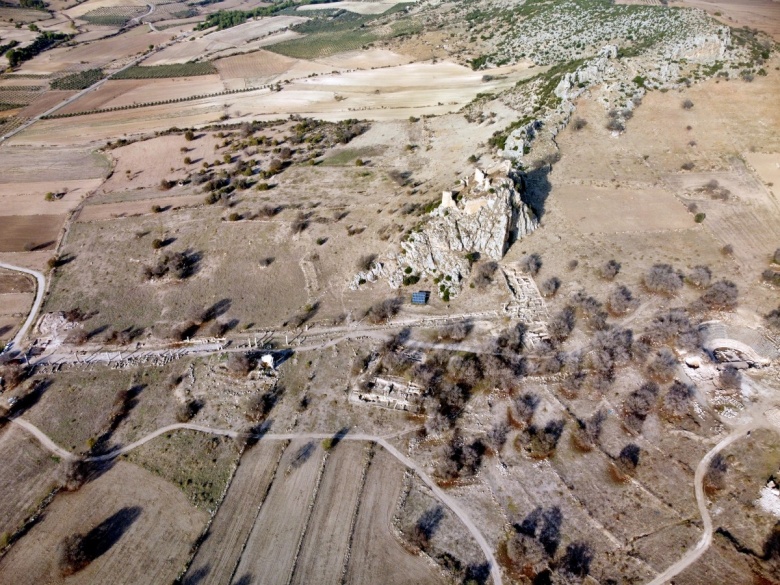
{"points": [[29, 232], [259, 65], [152, 527], [389, 93], [14, 282], [767, 166], [141, 165], [15, 303], [213, 42], [97, 53]]}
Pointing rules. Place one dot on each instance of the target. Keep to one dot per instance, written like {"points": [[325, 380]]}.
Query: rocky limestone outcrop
{"points": [[619, 78], [484, 217]]}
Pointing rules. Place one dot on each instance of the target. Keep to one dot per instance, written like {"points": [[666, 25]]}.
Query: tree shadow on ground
{"points": [[77, 551]]}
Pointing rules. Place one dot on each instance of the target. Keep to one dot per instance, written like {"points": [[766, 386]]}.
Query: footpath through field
{"points": [[379, 440]]}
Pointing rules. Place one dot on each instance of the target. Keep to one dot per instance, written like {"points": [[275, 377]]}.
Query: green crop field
{"points": [[80, 80], [163, 71], [117, 16], [323, 44]]}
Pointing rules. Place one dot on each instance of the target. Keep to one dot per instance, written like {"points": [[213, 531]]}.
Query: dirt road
{"points": [[40, 287]]}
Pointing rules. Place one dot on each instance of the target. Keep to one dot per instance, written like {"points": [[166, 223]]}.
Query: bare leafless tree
{"points": [[610, 269], [531, 264], [621, 301], [662, 278]]}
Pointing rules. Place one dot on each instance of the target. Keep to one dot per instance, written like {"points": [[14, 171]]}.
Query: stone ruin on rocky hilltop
{"points": [[486, 216]]}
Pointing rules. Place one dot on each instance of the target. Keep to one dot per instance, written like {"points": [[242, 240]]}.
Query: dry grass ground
{"points": [[76, 408], [273, 545], [21, 165], [242, 279], [14, 282], [218, 555], [106, 211], [610, 210], [199, 464], [84, 7], [27, 478], [151, 526]]}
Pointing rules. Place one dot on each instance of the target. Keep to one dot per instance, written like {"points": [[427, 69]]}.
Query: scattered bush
{"points": [[562, 324], [639, 404], [772, 319], [628, 459], [700, 276], [715, 476], [677, 401], [542, 442], [620, 301], [239, 364], [180, 264], [687, 104], [587, 434], [699, 217], [185, 411], [663, 367], [531, 264], [365, 262], [610, 269], [300, 223], [483, 275], [579, 123], [720, 295], [550, 286], [730, 378], [727, 250], [577, 559], [382, 311], [662, 278], [687, 166]]}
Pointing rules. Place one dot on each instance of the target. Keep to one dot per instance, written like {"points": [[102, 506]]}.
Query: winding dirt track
{"points": [[447, 500], [40, 287], [701, 547]]}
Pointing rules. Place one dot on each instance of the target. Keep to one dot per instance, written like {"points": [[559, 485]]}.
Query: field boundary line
{"points": [[257, 512], [312, 503], [369, 457]]}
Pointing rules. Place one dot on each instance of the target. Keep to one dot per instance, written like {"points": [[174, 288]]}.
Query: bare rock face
{"points": [[480, 221]]}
